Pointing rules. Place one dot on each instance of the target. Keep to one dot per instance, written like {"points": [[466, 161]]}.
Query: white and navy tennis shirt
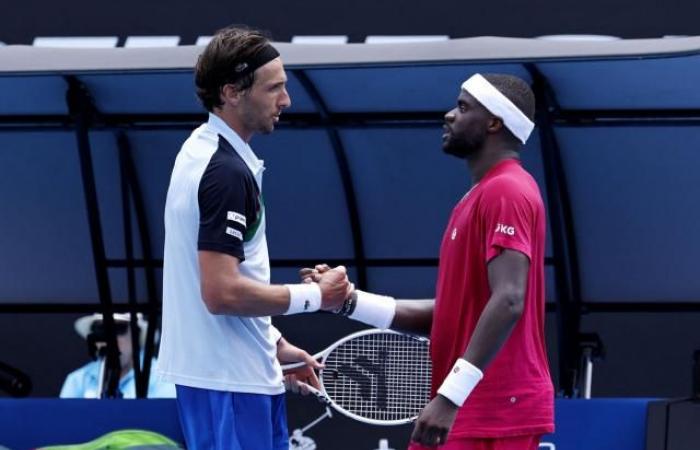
{"points": [[214, 203]]}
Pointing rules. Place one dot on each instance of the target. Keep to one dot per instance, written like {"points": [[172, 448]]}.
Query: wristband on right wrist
{"points": [[460, 382], [303, 298], [372, 309]]}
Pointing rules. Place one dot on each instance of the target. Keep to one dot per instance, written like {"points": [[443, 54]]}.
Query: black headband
{"points": [[264, 56]]}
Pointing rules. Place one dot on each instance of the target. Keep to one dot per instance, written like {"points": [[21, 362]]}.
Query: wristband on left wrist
{"points": [[460, 382]]}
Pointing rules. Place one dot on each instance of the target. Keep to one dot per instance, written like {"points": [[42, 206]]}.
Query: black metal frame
{"points": [[566, 270], [83, 113], [569, 306], [82, 110], [345, 177], [131, 190]]}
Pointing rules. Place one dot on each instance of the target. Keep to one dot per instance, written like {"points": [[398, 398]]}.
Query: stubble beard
{"points": [[464, 147]]}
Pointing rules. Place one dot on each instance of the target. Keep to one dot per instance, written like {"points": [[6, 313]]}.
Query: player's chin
{"points": [[446, 144], [272, 123], [267, 129]]}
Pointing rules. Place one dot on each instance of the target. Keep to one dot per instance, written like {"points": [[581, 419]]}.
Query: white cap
{"points": [[83, 326]]}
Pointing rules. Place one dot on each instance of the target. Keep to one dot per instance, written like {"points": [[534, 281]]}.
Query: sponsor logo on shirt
{"points": [[235, 217], [505, 229], [235, 233]]}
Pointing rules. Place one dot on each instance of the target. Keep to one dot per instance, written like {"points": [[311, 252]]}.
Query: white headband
{"points": [[500, 106]]}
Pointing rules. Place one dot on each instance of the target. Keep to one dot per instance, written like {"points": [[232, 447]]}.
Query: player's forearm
{"points": [[243, 296], [413, 316], [494, 327]]}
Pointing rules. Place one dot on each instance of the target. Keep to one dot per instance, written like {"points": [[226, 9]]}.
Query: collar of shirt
{"points": [[499, 167], [255, 165]]}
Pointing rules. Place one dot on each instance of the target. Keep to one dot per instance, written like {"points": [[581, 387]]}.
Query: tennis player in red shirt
{"points": [[491, 383]]}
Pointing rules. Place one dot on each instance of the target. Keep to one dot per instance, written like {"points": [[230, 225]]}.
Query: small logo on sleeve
{"points": [[454, 234], [306, 305], [235, 233], [236, 217], [505, 229]]}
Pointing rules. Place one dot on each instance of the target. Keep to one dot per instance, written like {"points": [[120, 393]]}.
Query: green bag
{"points": [[123, 440]]}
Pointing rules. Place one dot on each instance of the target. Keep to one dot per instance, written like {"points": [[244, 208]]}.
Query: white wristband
{"points": [[303, 298], [462, 379], [373, 309]]}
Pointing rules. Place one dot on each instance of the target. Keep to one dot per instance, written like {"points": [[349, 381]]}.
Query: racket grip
{"points": [[320, 395]]}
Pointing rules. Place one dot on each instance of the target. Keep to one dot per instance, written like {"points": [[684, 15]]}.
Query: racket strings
{"points": [[379, 376]]}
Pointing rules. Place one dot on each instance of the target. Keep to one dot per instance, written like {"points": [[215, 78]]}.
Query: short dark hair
{"points": [[516, 90], [215, 66]]}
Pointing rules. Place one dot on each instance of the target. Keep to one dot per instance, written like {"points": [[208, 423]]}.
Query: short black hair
{"points": [[229, 47], [516, 90]]}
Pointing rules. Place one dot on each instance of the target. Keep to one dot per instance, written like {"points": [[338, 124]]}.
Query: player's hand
{"points": [[434, 422], [309, 275], [335, 288], [296, 380]]}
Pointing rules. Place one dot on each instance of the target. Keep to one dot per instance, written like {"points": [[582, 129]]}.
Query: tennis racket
{"points": [[374, 376]]}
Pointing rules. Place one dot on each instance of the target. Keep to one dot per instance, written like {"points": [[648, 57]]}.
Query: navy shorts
{"points": [[216, 420]]}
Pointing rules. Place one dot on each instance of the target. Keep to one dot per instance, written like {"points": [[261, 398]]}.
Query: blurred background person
{"points": [[85, 382]]}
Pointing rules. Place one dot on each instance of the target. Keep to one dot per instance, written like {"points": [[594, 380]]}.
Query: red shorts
{"points": [[530, 442]]}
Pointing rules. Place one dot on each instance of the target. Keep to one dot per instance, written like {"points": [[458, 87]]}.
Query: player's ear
{"points": [[494, 125], [230, 94]]}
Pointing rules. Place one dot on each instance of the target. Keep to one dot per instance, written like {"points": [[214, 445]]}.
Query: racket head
{"points": [[379, 377]]}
